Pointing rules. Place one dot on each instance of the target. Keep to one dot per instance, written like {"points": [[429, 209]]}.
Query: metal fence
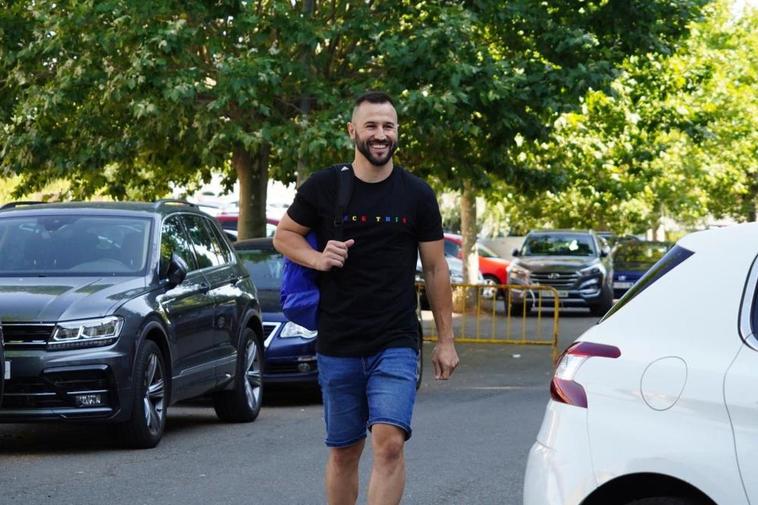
{"points": [[501, 314]]}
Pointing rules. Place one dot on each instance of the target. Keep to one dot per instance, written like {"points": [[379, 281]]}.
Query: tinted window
{"points": [[565, 244], [640, 255], [226, 253], [174, 240], [73, 245], [265, 267], [672, 259], [207, 249]]}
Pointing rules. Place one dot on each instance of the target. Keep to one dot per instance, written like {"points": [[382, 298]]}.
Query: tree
{"points": [[133, 97], [674, 135], [130, 97]]}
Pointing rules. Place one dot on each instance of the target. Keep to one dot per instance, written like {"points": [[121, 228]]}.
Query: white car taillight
{"points": [[564, 388]]}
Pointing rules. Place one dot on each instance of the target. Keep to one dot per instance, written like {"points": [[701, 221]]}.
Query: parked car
{"points": [[576, 263], [657, 403], [114, 311], [631, 259], [290, 349], [494, 269], [455, 269]]}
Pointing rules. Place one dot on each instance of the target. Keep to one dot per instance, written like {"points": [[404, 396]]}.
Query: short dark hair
{"points": [[374, 97]]}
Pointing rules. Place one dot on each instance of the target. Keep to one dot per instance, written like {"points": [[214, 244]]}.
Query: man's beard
{"points": [[364, 148]]}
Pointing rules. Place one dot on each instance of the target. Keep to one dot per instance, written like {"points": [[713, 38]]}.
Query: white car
{"points": [[658, 403]]}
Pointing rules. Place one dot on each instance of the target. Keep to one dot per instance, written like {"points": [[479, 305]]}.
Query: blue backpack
{"points": [[299, 291]]}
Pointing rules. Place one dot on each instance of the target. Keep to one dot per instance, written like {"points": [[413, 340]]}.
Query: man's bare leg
{"points": [[342, 474], [388, 472]]}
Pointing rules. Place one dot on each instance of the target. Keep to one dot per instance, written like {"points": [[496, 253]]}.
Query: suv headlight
{"points": [[86, 333], [518, 273], [292, 330], [597, 268]]}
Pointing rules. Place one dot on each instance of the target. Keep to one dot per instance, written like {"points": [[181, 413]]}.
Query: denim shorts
{"points": [[361, 392]]}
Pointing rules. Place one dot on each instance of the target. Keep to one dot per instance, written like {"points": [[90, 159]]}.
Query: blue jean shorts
{"points": [[361, 392]]}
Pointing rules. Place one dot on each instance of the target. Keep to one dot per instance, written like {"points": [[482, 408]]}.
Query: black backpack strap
{"points": [[344, 191]]}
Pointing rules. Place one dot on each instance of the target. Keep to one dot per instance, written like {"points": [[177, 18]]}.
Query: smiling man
{"points": [[368, 332]]}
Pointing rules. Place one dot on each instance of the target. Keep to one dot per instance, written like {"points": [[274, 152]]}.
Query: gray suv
{"points": [[576, 263], [111, 312]]}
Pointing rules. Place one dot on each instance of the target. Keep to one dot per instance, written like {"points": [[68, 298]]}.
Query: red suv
{"points": [[493, 267]]}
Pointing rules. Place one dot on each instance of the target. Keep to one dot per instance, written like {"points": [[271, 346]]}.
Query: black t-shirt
{"points": [[370, 303]]}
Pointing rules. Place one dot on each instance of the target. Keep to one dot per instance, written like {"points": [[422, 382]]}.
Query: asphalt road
{"points": [[472, 435]]}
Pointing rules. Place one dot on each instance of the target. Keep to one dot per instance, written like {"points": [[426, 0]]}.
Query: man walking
{"points": [[367, 345]]}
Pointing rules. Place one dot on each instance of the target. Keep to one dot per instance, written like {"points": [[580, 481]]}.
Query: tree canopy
{"points": [[129, 97]]}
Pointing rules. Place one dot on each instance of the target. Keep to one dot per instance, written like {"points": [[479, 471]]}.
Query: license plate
{"points": [[563, 294], [623, 285], [7, 370]]}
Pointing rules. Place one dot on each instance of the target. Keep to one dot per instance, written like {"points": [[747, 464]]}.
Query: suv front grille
{"points": [[555, 279], [27, 336]]}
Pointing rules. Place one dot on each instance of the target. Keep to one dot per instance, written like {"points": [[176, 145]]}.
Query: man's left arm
{"points": [[439, 293]]}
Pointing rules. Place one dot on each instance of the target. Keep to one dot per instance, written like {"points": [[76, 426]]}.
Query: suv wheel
{"points": [[145, 429], [243, 403], [604, 305]]}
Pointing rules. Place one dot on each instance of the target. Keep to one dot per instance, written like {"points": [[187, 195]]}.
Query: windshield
{"points": [[632, 255], [265, 267], [569, 244], [73, 245]]}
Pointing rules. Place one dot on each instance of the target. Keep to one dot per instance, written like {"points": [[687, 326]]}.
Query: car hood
{"points": [[50, 299], [270, 300], [555, 263]]}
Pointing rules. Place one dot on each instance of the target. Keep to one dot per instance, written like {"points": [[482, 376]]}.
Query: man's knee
{"points": [[387, 442], [347, 457]]}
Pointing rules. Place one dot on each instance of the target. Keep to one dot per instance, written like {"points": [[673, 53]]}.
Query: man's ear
{"points": [[351, 129]]}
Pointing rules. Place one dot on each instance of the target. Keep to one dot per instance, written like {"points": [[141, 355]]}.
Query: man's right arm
{"points": [[290, 241]]}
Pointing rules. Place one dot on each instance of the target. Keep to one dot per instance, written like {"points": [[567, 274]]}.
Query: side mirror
{"points": [[177, 270], [515, 253], [604, 253]]}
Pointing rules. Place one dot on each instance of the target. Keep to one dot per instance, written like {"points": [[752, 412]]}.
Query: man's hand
{"points": [[333, 255], [444, 359]]}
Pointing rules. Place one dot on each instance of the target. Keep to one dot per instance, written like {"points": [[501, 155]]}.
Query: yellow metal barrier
{"points": [[482, 316]]}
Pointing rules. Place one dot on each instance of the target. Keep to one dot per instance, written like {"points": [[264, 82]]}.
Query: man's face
{"points": [[374, 131]]}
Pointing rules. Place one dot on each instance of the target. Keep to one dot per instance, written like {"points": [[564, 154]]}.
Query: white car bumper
{"points": [[559, 468]]}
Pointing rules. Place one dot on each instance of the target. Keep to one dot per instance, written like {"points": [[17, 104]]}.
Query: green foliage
{"points": [[131, 97], [675, 135]]}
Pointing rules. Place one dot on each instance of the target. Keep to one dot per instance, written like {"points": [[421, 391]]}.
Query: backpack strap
{"points": [[344, 192]]}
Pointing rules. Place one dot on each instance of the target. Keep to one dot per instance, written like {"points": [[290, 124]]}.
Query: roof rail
{"points": [[166, 201], [12, 205]]}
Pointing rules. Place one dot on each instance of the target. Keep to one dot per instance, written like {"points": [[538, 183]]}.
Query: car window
{"points": [[670, 260], [207, 250], [222, 245], [451, 248], [632, 255], [73, 245], [572, 244], [174, 239], [264, 266]]}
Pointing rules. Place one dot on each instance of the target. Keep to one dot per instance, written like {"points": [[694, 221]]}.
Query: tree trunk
{"points": [[465, 299], [252, 173], [468, 230]]}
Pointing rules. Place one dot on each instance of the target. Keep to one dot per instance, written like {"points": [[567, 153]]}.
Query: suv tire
{"points": [[145, 429], [604, 305], [243, 403]]}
